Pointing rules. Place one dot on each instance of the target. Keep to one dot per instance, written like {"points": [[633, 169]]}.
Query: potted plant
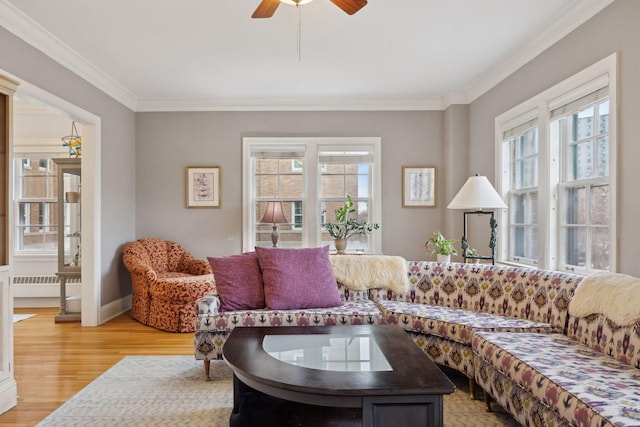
{"points": [[442, 247], [345, 226], [473, 255]]}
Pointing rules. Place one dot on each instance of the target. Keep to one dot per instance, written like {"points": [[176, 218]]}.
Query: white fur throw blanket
{"points": [[617, 296], [361, 272]]}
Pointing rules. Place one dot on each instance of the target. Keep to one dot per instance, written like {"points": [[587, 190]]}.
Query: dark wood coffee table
{"points": [[406, 390]]}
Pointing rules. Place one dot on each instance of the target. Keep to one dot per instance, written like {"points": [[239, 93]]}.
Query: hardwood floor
{"points": [[53, 361]]}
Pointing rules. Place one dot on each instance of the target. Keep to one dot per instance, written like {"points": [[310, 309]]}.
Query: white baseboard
{"points": [[114, 309], [36, 302]]}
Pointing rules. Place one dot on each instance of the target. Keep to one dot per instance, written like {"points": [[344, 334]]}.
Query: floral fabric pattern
{"points": [[535, 295], [213, 328], [451, 323], [573, 380], [601, 334], [166, 282]]}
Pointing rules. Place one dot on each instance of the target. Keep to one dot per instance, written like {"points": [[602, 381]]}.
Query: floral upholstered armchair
{"points": [[166, 281]]}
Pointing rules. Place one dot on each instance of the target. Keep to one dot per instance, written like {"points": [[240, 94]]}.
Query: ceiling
{"points": [[155, 55]]}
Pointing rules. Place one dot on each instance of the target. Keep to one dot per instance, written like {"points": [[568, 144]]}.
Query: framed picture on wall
{"points": [[418, 187], [203, 187]]}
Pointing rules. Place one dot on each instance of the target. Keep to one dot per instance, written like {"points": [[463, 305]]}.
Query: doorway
{"points": [[90, 288]]}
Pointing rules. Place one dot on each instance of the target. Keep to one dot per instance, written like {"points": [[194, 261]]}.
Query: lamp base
{"points": [[275, 236]]}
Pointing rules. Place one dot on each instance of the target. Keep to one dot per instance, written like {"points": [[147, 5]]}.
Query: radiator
{"points": [[37, 280]]}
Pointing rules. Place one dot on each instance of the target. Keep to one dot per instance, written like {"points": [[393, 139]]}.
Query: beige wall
{"points": [[168, 142], [614, 29], [117, 152]]}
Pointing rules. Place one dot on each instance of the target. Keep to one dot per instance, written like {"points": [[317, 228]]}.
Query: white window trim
{"points": [[580, 84], [310, 191]]}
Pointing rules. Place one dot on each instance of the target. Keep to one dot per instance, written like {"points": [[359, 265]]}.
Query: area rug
{"points": [[19, 317], [170, 391]]}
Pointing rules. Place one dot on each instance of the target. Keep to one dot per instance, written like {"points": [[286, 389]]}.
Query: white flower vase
{"points": [[443, 258], [341, 245]]}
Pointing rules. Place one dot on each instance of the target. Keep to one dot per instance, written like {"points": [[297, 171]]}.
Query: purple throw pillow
{"points": [[298, 278], [238, 281]]}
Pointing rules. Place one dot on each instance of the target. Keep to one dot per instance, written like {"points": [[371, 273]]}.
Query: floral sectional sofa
{"points": [[506, 328]]}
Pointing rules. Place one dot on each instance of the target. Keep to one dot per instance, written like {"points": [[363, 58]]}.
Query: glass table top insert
{"points": [[335, 352]]}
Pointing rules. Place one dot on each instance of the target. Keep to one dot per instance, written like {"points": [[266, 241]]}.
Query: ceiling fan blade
{"points": [[266, 9], [350, 6]]}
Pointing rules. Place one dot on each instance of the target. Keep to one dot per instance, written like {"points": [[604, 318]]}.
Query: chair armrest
{"points": [[136, 267], [191, 265], [208, 305]]}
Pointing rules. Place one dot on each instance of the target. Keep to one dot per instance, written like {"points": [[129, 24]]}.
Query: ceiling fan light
{"points": [[295, 2]]}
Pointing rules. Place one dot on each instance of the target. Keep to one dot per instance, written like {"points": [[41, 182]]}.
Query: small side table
{"points": [[65, 316]]}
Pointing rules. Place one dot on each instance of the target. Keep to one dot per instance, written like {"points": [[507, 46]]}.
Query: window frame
{"points": [[599, 75], [45, 226], [311, 203]]}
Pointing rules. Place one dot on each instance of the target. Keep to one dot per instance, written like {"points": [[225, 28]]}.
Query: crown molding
{"points": [[290, 104], [34, 34], [574, 15]]}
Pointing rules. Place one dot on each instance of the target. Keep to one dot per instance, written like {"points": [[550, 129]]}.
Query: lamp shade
{"points": [[477, 194], [273, 213]]}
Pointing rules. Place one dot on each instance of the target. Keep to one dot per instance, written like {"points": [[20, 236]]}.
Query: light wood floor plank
{"points": [[53, 361]]}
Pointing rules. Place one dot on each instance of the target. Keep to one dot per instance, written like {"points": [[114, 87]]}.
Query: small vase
{"points": [[443, 258], [341, 245]]}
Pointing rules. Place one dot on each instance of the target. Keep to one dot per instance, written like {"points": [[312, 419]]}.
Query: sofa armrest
{"points": [[208, 305]]}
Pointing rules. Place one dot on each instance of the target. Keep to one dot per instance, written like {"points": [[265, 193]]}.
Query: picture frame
{"points": [[419, 187], [203, 186]]}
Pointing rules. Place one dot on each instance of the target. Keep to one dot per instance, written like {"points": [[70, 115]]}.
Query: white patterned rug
{"points": [[20, 317], [151, 391], [170, 391]]}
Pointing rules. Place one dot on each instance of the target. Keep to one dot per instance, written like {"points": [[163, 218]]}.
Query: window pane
{"points": [[583, 124], [602, 153], [576, 244], [332, 186], [533, 207], [530, 142], [518, 208], [603, 113], [581, 161], [290, 186], [352, 185], [600, 205], [518, 241], [267, 186], [600, 249], [518, 175], [532, 251], [575, 206], [530, 178]]}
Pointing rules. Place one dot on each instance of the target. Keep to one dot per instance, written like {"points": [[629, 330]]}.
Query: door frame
{"points": [[91, 175]]}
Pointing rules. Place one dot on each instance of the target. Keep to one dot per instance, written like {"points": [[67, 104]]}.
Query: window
{"points": [[311, 176], [522, 197], [36, 205], [556, 170], [583, 135]]}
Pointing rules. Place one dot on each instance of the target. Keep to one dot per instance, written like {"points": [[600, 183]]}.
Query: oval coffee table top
{"points": [[412, 372]]}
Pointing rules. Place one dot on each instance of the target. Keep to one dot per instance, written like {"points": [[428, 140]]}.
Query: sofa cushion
{"points": [[453, 323], [575, 381], [238, 281], [298, 278]]}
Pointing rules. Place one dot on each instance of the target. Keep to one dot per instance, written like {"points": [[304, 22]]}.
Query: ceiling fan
{"points": [[267, 8]]}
